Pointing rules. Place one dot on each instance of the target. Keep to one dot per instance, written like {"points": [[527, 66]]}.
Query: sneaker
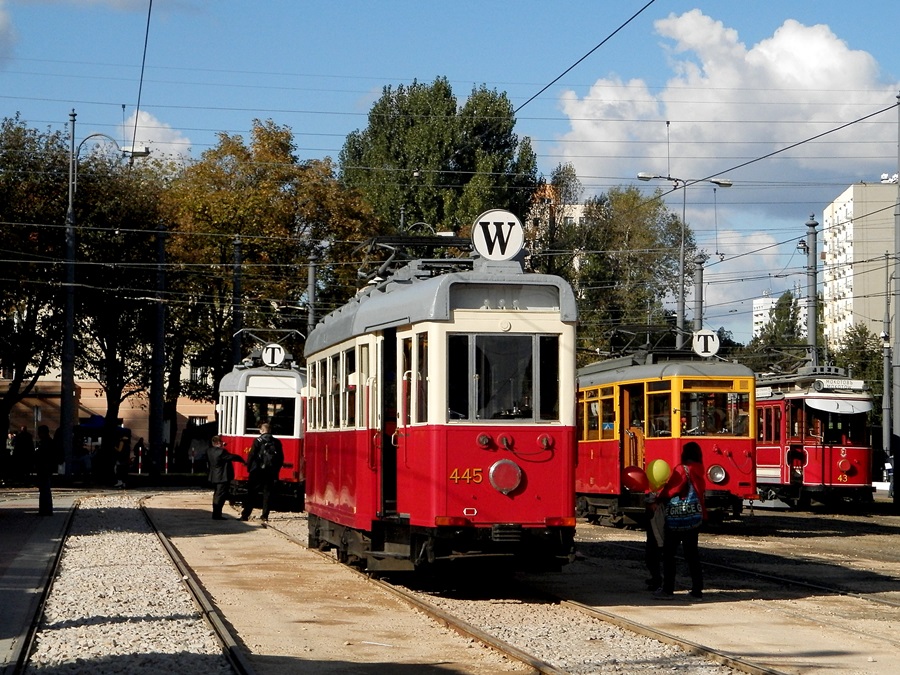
{"points": [[663, 595], [697, 595]]}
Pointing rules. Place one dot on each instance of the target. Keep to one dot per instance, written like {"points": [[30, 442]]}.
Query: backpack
{"points": [[270, 454], [684, 513]]}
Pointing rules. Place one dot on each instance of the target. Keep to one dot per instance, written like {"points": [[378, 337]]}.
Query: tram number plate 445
{"points": [[467, 475]]}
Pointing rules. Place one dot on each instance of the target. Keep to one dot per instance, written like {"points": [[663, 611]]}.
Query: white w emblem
{"points": [[498, 235]]}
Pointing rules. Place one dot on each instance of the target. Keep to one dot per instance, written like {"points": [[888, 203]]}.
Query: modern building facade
{"points": [[857, 234]]}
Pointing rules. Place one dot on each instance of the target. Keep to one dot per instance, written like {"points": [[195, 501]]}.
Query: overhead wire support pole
{"points": [[895, 384]]}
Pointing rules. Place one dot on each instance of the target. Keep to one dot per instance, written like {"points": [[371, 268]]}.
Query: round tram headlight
{"points": [[716, 473], [505, 475]]}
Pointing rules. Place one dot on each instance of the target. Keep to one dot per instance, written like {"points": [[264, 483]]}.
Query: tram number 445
{"points": [[473, 475]]}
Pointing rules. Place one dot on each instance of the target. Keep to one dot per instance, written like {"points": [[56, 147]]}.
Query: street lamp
{"points": [[681, 183], [67, 388]]}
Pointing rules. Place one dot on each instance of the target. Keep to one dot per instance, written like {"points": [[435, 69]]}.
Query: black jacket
{"points": [[254, 456], [220, 469]]}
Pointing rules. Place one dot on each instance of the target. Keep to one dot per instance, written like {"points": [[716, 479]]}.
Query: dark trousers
{"points": [[259, 486], [220, 496], [45, 495], [653, 555], [689, 542]]}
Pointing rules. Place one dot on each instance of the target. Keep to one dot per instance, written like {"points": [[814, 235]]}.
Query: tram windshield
{"points": [[707, 413], [503, 377], [278, 412]]}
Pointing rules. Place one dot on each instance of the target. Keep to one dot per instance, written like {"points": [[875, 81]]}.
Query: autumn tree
{"points": [[256, 199], [423, 157]]}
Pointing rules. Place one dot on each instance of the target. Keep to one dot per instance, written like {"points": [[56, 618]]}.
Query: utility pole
{"points": [[812, 317], [237, 311]]}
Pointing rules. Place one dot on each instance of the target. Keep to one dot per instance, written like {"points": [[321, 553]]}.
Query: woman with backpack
{"points": [[263, 464], [683, 495]]}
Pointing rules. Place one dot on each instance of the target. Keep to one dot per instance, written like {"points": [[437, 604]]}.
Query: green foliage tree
{"points": [[424, 158], [780, 344], [33, 200], [620, 255], [860, 354]]}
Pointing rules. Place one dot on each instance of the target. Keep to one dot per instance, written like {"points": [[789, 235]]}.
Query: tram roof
{"points": [[630, 368], [240, 376], [421, 291]]}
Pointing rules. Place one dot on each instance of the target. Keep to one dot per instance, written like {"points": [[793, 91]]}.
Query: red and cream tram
{"points": [[251, 395], [441, 416], [813, 437], [636, 409]]}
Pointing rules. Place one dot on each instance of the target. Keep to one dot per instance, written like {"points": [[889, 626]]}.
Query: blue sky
{"points": [[735, 80]]}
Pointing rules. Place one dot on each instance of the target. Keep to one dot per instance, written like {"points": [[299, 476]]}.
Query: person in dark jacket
{"points": [[45, 466], [263, 464], [221, 473], [689, 472]]}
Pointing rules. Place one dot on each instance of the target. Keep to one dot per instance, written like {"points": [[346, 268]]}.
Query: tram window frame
{"points": [[321, 379], [473, 356], [712, 411], [348, 388], [589, 414], [659, 408], [363, 369], [421, 377]]}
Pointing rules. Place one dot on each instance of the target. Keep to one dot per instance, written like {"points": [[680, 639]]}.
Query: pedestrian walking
{"points": [[221, 473], [45, 466], [683, 495], [263, 464]]}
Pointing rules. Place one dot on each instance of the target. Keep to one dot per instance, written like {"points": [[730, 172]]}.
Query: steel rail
{"points": [[23, 644], [440, 616], [232, 650]]}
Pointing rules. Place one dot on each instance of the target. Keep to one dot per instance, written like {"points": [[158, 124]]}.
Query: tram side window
{"points": [[458, 375], [588, 415], [548, 377], [334, 391], [349, 391], [406, 382], [660, 414], [321, 392], [422, 377], [607, 414], [763, 420]]}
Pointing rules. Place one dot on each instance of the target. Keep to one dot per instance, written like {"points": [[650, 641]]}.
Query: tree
{"points": [[33, 193], [860, 354], [780, 344], [424, 158], [117, 211], [280, 212]]}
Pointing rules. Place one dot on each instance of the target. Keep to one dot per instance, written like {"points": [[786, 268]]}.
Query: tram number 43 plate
{"points": [[473, 475]]}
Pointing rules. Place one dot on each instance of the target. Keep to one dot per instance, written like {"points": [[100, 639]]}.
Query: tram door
{"points": [[389, 383], [631, 436]]}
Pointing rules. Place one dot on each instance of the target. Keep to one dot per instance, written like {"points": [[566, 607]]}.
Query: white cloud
{"points": [[728, 105], [7, 34], [163, 141]]}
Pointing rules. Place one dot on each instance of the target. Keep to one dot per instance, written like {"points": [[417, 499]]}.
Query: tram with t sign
{"points": [[441, 416], [636, 412], [813, 437], [266, 388]]}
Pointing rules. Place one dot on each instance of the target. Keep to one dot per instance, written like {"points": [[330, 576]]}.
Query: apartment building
{"points": [[857, 232]]}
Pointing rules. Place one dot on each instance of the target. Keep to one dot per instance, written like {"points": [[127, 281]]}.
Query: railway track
{"points": [[549, 634]]}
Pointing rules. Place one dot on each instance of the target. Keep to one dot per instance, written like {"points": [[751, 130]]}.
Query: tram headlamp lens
{"points": [[716, 474]]}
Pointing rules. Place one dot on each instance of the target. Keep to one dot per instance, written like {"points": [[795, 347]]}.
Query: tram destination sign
{"points": [[837, 383]]}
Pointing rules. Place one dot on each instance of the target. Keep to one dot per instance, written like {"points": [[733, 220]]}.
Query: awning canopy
{"points": [[839, 405]]}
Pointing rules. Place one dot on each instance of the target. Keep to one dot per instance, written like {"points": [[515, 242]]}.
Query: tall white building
{"points": [[857, 231]]}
